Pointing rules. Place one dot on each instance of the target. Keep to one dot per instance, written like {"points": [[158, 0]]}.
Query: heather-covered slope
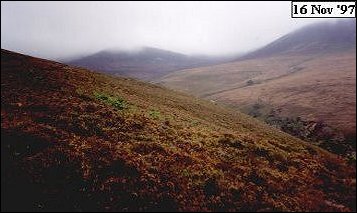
{"points": [[72, 139]]}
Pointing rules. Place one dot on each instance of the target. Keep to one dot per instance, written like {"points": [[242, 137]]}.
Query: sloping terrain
{"points": [[322, 37], [72, 139], [313, 87], [310, 73], [147, 63]]}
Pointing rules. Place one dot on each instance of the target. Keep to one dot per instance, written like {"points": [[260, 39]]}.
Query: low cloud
{"points": [[64, 29]]}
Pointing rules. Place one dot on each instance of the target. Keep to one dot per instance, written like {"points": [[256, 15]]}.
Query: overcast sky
{"points": [[61, 29]]}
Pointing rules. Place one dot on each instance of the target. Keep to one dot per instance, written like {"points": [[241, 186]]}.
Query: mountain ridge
{"points": [[145, 63], [317, 38]]}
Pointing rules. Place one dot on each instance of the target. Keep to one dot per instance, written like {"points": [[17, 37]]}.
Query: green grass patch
{"points": [[116, 102], [155, 114]]}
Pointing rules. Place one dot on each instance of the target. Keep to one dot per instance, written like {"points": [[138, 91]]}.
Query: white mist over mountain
{"points": [[64, 29]]}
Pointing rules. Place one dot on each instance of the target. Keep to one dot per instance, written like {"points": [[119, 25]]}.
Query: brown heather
{"points": [[72, 139]]}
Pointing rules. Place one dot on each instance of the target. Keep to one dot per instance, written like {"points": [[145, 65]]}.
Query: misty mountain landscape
{"points": [[303, 83], [176, 106]]}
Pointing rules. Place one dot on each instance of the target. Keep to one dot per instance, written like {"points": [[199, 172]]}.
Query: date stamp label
{"points": [[341, 9]]}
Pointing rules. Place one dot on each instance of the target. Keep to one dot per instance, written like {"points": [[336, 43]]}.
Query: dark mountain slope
{"points": [[319, 38], [76, 140], [147, 63]]}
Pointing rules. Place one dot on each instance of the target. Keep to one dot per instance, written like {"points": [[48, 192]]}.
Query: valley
{"points": [[314, 84]]}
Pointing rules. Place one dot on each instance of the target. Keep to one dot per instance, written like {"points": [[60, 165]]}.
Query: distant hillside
{"points": [[319, 38], [76, 140], [147, 63], [309, 73]]}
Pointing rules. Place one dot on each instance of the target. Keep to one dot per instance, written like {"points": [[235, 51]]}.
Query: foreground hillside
{"points": [[72, 139]]}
